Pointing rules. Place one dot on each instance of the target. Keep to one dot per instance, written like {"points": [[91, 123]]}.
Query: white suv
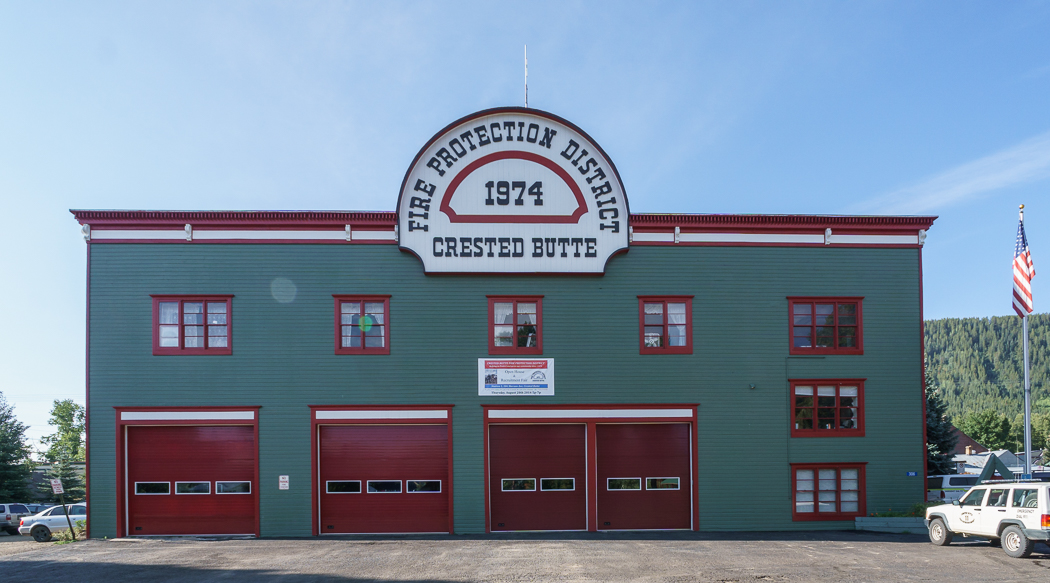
{"points": [[1013, 512]]}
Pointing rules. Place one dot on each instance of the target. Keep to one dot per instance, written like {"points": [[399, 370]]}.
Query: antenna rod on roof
{"points": [[526, 75]]}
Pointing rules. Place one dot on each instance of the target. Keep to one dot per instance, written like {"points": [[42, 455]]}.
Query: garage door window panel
{"points": [[152, 488], [194, 488], [423, 486], [665, 324], [623, 484], [233, 487], [519, 485], [191, 325], [825, 325], [662, 484], [827, 408], [362, 324], [554, 484], [828, 492], [343, 486], [515, 324], [384, 486]]}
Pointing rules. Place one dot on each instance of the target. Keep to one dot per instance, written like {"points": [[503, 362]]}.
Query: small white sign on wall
{"points": [[282, 482], [515, 376]]}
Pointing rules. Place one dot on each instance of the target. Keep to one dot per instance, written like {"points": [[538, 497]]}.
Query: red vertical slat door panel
{"points": [[191, 454], [537, 452], [643, 451], [383, 452]]}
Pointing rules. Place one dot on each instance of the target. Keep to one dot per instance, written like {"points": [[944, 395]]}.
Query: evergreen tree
{"points": [[64, 446], [989, 428], [15, 466], [940, 441]]}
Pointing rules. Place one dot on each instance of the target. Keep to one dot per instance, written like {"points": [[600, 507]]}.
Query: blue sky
{"points": [[705, 107]]}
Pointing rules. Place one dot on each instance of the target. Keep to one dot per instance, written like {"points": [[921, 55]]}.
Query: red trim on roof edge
{"points": [[243, 219]]}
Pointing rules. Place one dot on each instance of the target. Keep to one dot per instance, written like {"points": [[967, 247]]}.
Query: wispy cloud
{"points": [[1026, 162]]}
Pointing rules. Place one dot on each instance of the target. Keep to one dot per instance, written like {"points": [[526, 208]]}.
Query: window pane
{"points": [[193, 313], [803, 320], [504, 335], [804, 486], [169, 336], [152, 487], [804, 474], [519, 485], [849, 506], [503, 313], [803, 390], [803, 309], [848, 391], [676, 335], [194, 336], [848, 485], [847, 418], [169, 312], [661, 483], [804, 502], [384, 486], [527, 336], [217, 342], [217, 318], [216, 330], [424, 485], [233, 487], [1025, 499], [676, 313], [802, 338], [826, 392], [374, 337], [193, 487], [847, 337], [825, 337], [825, 310], [653, 337], [849, 474], [804, 419], [847, 314], [557, 484], [350, 307], [526, 308], [623, 484], [343, 487]]}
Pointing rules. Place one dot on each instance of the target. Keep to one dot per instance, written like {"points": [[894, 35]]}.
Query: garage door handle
{"points": [[1002, 511]]}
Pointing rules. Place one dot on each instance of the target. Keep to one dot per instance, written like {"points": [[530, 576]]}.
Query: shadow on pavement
{"points": [[59, 572]]}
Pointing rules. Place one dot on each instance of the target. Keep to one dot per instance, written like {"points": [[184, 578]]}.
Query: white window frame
{"points": [[327, 491], [217, 482], [535, 484], [137, 493], [573, 489], [441, 487], [676, 478], [400, 490], [208, 482], [641, 485]]}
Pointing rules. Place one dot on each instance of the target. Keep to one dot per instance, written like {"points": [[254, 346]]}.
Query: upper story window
{"points": [[362, 324], [827, 491], [515, 324], [192, 325], [665, 324], [826, 326], [827, 408]]}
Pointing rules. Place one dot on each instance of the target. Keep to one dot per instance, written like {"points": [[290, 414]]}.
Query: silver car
{"points": [[10, 515], [42, 525]]}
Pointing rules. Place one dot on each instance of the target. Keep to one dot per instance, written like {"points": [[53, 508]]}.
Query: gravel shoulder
{"points": [[673, 557]]}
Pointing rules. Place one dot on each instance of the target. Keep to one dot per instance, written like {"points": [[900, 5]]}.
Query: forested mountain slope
{"points": [[977, 363]]}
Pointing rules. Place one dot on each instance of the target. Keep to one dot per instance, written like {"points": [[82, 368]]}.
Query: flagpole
{"points": [[1027, 394]]}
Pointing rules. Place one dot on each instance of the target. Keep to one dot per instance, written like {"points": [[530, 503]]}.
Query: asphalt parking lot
{"points": [[675, 557]]}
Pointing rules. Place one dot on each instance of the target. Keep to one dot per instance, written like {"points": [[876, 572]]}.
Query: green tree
{"points": [[64, 446], [940, 440], [68, 441], [989, 428], [15, 463], [1040, 431]]}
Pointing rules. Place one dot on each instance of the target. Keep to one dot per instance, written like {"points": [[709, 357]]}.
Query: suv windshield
{"points": [[973, 498]]}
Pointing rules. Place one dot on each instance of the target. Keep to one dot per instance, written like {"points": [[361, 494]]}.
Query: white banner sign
{"points": [[512, 190], [515, 376]]}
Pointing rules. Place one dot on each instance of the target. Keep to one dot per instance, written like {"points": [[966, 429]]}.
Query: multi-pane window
{"points": [[516, 325], [827, 408], [826, 326], [362, 324], [828, 491], [191, 325], [666, 324]]}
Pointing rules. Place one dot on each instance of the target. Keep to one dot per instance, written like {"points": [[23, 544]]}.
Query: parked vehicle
{"points": [[949, 487], [41, 526], [1014, 513], [38, 508], [10, 515]]}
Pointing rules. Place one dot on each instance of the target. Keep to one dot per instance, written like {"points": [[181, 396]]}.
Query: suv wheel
{"points": [[41, 534], [939, 533], [1015, 543]]}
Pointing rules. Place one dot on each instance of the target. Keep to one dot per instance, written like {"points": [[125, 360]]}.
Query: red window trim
{"points": [[339, 299], [158, 350], [493, 349], [862, 508], [857, 432], [858, 349], [688, 348]]}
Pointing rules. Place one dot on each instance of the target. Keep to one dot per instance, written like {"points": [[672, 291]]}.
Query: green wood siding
{"points": [[283, 360]]}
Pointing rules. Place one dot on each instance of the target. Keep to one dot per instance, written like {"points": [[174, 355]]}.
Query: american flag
{"points": [[1024, 271]]}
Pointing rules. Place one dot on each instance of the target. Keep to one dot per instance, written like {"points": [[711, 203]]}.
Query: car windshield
{"points": [[974, 498]]}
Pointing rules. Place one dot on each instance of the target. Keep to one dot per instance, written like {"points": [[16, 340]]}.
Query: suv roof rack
{"points": [[1016, 481]]}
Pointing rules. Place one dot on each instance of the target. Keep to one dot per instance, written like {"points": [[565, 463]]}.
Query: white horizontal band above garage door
{"points": [[187, 415], [202, 235], [748, 238], [275, 235], [587, 413], [373, 414], [874, 239]]}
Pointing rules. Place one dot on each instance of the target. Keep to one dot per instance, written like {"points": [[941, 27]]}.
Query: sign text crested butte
{"points": [[512, 190]]}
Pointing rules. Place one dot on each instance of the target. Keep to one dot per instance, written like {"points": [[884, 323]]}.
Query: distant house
{"points": [[965, 444], [973, 463]]}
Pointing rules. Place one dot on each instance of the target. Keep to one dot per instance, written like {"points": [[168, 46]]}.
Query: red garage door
{"points": [[383, 478], [191, 480], [537, 477], [643, 476]]}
